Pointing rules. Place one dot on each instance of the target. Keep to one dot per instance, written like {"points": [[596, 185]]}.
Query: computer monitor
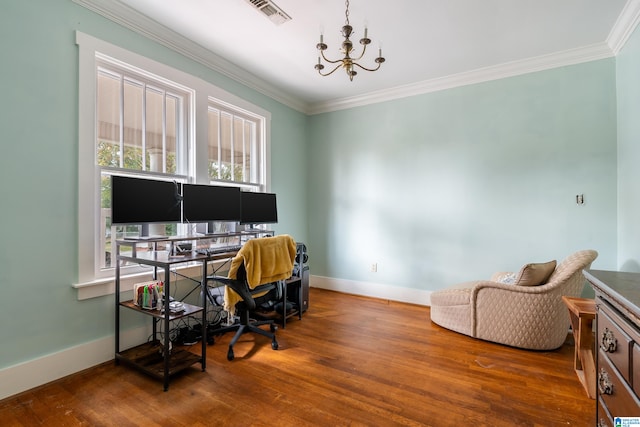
{"points": [[258, 208], [143, 201], [205, 203]]}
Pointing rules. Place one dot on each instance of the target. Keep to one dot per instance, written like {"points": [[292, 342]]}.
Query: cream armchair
{"points": [[530, 316]]}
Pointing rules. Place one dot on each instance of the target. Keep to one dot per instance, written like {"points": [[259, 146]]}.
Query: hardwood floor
{"points": [[351, 361]]}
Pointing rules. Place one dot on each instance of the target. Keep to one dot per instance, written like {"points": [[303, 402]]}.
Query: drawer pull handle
{"points": [[604, 383], [608, 342]]}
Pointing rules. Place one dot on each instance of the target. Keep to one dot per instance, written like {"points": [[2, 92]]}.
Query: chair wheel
{"points": [[273, 327], [274, 344], [230, 354]]}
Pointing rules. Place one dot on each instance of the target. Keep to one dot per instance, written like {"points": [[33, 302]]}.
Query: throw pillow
{"points": [[535, 274], [507, 278]]}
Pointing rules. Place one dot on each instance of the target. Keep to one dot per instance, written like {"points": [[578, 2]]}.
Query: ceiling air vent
{"points": [[270, 10]]}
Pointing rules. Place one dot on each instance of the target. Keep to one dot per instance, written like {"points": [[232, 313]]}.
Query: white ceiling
{"points": [[425, 42]]}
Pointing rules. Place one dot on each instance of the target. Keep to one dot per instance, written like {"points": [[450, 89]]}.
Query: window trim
{"points": [[88, 283], [260, 129]]}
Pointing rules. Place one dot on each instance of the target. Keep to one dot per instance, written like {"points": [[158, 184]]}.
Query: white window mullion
{"points": [[255, 150], [232, 147], [244, 153], [164, 131], [187, 139], [121, 118], [144, 126], [219, 144]]}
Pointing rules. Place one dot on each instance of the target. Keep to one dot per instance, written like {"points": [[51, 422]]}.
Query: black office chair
{"points": [[256, 274]]}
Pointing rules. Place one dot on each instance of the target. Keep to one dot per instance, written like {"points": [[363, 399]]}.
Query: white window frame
{"points": [[91, 282], [256, 152], [184, 143]]}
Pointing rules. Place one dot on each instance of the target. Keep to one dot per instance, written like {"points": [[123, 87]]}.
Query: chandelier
{"points": [[348, 63]]}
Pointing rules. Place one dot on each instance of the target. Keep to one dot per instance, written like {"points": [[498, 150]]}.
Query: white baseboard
{"points": [[370, 289], [27, 375], [33, 373]]}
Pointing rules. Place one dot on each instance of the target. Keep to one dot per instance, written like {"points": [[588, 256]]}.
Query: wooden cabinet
{"points": [[617, 344]]}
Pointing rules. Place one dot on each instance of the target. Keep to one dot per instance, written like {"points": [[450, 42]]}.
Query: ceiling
{"points": [[428, 44]]}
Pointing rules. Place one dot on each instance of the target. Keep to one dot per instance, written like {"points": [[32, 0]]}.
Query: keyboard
{"points": [[218, 250]]}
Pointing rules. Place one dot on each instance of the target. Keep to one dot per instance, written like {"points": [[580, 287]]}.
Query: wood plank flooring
{"points": [[351, 361]]}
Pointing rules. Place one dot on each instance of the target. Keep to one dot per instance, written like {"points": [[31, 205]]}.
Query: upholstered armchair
{"points": [[521, 310]]}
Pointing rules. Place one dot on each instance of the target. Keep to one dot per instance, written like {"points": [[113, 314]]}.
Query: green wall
{"points": [[628, 91], [39, 310], [454, 185], [435, 189]]}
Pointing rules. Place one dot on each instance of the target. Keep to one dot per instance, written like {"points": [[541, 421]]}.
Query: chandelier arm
{"points": [[330, 72], [364, 49], [328, 60], [367, 69]]}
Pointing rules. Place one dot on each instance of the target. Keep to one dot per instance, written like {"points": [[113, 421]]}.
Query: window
{"points": [[234, 155], [141, 118], [140, 130]]}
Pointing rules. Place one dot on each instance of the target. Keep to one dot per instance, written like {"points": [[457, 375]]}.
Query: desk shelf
{"points": [[148, 358], [189, 310], [157, 358]]}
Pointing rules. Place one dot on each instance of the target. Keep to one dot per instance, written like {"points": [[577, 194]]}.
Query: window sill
{"points": [[107, 286]]}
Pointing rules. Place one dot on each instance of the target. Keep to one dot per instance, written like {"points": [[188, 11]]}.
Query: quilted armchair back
{"points": [[530, 317]]}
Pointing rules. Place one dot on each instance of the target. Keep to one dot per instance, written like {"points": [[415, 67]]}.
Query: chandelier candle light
{"points": [[348, 63]]}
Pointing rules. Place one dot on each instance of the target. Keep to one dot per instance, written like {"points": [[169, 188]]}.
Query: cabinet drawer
{"points": [[613, 341], [604, 418], [614, 391], [635, 359]]}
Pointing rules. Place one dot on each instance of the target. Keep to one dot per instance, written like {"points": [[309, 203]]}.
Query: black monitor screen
{"points": [[141, 201], [258, 208], [204, 203]]}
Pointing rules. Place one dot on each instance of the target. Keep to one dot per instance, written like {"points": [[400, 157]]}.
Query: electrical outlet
{"points": [[374, 267]]}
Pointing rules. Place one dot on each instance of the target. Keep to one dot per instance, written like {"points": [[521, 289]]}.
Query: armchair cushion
{"points": [[534, 274]]}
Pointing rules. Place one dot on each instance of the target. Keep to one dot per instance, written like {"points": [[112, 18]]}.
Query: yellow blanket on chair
{"points": [[266, 260]]}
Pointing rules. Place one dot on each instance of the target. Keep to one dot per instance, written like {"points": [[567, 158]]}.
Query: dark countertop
{"points": [[622, 288]]}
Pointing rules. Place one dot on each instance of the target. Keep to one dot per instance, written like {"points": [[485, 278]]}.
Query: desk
{"points": [[157, 357], [147, 357], [582, 312]]}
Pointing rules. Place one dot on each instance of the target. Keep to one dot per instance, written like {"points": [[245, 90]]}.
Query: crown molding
{"points": [[496, 72], [141, 24], [133, 20], [625, 26]]}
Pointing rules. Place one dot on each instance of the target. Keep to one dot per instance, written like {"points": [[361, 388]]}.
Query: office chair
{"points": [[256, 272]]}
